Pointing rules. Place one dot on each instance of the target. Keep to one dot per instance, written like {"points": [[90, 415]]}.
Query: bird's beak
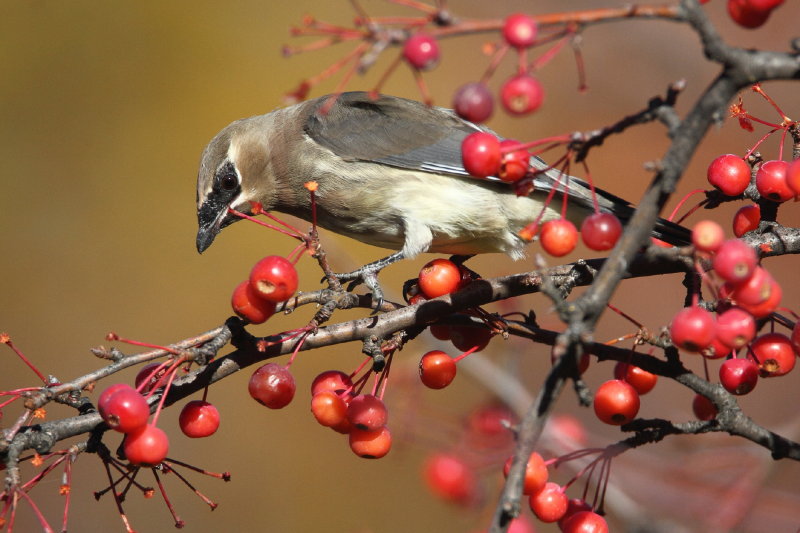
{"points": [[211, 218]]}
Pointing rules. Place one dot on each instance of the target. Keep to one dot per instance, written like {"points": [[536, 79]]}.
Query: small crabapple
{"points": [[248, 305], [274, 279], [703, 408], [550, 503], [616, 402], [480, 153], [707, 236], [450, 478], [693, 329], [735, 261], [123, 409], [474, 102], [536, 473], [367, 412], [730, 174], [421, 51], [745, 16], [585, 522], [272, 385], [771, 181], [329, 408], [437, 369], [513, 165], [371, 444], [774, 354], [147, 446], [519, 30], [600, 231], [522, 94], [439, 277], [558, 237], [746, 219], [640, 379], [738, 376], [199, 419], [735, 327]]}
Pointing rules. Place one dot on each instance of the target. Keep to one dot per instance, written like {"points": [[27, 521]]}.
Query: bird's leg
{"points": [[368, 275]]}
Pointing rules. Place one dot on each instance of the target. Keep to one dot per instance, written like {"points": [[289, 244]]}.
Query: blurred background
{"points": [[104, 110]]}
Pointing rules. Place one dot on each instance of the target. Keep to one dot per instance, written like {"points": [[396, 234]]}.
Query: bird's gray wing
{"points": [[391, 131]]}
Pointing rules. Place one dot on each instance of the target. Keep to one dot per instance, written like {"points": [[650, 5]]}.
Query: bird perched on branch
{"points": [[390, 174]]}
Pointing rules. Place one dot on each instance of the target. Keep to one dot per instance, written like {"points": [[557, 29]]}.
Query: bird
{"points": [[390, 173]]}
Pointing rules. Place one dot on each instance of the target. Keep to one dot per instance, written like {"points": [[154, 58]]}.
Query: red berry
{"points": [[123, 408], [730, 174], [519, 30], [146, 447], [145, 373], [367, 412], [198, 419], [735, 327], [558, 237], [693, 329], [465, 338], [707, 236], [745, 16], [735, 261], [521, 524], [600, 231], [331, 380], [274, 279], [574, 506], [746, 219], [703, 408], [371, 444], [585, 522], [641, 380], [774, 354], [488, 426], [328, 408], [272, 385], [535, 473], [550, 503], [437, 369], [522, 94], [771, 181], [450, 478], [763, 5], [474, 102], [759, 295], [715, 350], [567, 429], [513, 165], [248, 305], [439, 277], [616, 402], [738, 376], [421, 51], [480, 153], [793, 176]]}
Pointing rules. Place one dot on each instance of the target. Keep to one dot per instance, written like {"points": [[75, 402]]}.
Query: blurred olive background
{"points": [[104, 110]]}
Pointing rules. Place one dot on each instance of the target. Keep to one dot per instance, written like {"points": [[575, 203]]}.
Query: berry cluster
{"points": [[272, 280]]}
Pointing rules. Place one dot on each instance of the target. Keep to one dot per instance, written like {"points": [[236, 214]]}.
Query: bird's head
{"points": [[235, 170]]}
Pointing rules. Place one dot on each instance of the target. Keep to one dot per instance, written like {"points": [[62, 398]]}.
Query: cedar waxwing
{"points": [[390, 174]]}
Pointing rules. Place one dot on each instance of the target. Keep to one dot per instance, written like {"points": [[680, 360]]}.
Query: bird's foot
{"points": [[368, 275]]}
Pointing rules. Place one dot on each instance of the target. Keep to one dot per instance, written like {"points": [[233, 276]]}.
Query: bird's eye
{"points": [[229, 182]]}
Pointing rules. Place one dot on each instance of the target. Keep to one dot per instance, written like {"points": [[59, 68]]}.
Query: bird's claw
{"points": [[368, 275]]}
